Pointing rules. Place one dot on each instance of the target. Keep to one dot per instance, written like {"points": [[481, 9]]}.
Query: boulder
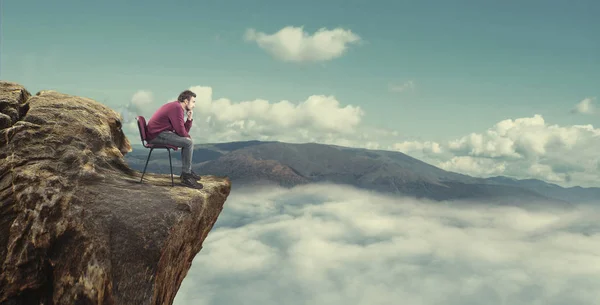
{"points": [[76, 224]]}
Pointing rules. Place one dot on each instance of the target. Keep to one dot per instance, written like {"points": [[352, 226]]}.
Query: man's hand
{"points": [[189, 115]]}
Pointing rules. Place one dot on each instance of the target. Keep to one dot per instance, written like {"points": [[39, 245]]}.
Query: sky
{"points": [[479, 88], [336, 245]]}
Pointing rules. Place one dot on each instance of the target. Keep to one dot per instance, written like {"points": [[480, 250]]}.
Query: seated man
{"points": [[166, 126]]}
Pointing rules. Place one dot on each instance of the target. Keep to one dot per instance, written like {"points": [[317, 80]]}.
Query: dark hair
{"points": [[186, 95]]}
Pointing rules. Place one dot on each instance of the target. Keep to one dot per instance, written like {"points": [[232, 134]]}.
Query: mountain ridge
{"points": [[290, 164]]}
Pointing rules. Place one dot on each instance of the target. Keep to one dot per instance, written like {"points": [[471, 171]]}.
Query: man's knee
{"points": [[188, 143]]}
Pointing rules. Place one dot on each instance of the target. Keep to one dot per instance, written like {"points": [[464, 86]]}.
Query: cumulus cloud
{"points": [[427, 147], [474, 166], [586, 106], [523, 148], [324, 244], [141, 99], [141, 103], [319, 118], [520, 138], [293, 44], [318, 111]]}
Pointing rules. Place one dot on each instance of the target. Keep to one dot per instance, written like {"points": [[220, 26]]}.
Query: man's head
{"points": [[187, 99]]}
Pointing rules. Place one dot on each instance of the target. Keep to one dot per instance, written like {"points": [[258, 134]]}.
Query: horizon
{"points": [[139, 145], [483, 89]]}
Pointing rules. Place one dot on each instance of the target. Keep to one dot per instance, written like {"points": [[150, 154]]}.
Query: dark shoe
{"points": [[189, 181], [196, 176], [193, 174]]}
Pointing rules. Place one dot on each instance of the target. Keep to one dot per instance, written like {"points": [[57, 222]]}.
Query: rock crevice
{"points": [[76, 226]]}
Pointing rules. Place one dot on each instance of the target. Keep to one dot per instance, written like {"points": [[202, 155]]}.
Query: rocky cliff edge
{"points": [[76, 226]]}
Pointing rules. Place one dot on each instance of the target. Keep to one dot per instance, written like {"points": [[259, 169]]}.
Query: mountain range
{"points": [[258, 163]]}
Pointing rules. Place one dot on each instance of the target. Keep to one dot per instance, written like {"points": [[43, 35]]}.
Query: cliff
{"points": [[76, 226]]}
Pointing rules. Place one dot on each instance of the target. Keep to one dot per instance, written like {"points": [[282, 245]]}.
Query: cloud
{"points": [[293, 44], [411, 146], [409, 85], [141, 99], [523, 148], [139, 104], [474, 166], [585, 106], [318, 111], [326, 244], [318, 118]]}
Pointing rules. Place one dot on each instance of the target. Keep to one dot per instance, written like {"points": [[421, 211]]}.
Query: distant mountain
{"points": [[572, 194], [285, 164]]}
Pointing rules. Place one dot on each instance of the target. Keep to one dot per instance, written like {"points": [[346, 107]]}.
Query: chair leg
{"points": [[145, 166], [171, 164]]}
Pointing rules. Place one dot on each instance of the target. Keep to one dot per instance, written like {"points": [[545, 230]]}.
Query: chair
{"points": [[143, 128]]}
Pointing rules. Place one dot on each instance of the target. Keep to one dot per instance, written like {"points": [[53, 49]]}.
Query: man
{"points": [[166, 126]]}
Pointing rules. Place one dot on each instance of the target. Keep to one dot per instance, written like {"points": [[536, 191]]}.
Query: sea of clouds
{"points": [[336, 245]]}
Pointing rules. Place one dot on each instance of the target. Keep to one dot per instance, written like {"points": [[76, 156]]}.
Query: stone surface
{"points": [[76, 226]]}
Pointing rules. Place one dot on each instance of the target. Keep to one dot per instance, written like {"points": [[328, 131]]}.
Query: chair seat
{"points": [[160, 146]]}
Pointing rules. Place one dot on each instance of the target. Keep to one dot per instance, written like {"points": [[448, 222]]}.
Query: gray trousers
{"points": [[186, 144]]}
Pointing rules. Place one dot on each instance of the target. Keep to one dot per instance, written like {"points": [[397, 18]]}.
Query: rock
{"points": [[76, 226]]}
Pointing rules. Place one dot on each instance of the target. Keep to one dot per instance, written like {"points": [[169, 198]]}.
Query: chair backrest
{"points": [[142, 127]]}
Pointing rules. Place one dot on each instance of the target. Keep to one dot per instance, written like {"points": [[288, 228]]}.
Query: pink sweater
{"points": [[170, 117]]}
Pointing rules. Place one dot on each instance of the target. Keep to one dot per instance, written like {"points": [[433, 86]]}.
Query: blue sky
{"points": [[473, 64]]}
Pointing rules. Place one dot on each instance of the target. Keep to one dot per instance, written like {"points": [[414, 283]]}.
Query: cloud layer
{"points": [[324, 244], [293, 44]]}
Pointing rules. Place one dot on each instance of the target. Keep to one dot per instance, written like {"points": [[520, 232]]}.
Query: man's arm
{"points": [[188, 123], [176, 118]]}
